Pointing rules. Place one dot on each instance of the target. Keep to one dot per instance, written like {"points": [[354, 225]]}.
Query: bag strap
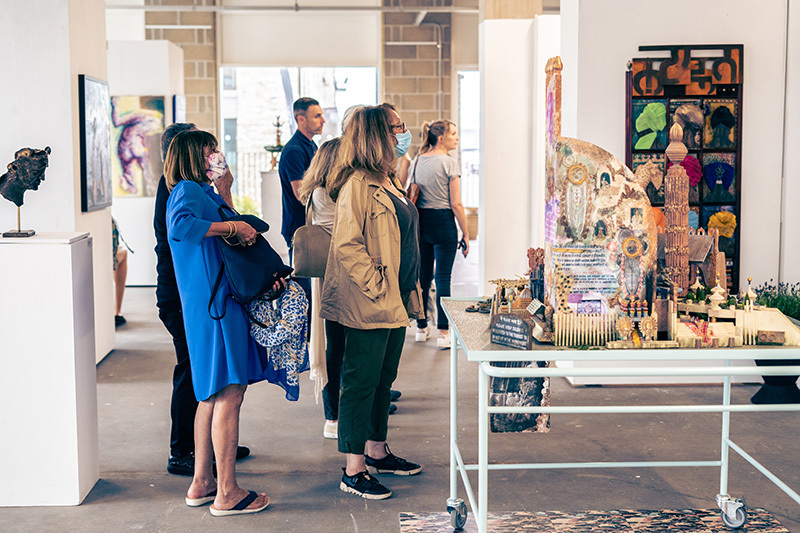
{"points": [[414, 172], [309, 207], [214, 293]]}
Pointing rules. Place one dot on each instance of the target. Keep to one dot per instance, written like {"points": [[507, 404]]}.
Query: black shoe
{"points": [[119, 320], [391, 464], [364, 485], [242, 452], [392, 409], [395, 395], [181, 465], [184, 465]]}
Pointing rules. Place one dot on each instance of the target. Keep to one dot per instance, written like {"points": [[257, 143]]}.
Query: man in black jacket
{"points": [[184, 403]]}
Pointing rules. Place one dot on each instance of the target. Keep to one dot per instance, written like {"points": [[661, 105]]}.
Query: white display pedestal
{"points": [[48, 386], [272, 209]]}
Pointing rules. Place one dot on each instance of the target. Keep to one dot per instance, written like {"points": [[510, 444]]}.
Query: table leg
{"points": [[483, 450], [453, 414], [726, 430]]}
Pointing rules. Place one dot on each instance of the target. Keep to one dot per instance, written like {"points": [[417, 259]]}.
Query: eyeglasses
{"points": [[399, 128]]}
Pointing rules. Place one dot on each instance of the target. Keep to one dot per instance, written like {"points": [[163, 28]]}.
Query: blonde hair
{"points": [[186, 158], [431, 131], [319, 169], [366, 146]]}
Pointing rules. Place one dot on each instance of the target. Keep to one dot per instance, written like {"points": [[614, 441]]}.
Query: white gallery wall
{"points": [[598, 38], [44, 46], [142, 68]]}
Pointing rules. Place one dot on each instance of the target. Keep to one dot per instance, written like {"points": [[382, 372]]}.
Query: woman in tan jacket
{"points": [[371, 287]]}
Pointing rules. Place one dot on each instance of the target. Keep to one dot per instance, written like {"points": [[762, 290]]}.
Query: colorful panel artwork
{"points": [[649, 124], [685, 66], [95, 133], [138, 122], [720, 125], [719, 178], [651, 176], [689, 115]]}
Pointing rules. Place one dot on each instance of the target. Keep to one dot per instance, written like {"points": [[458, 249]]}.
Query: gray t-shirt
{"points": [[323, 209], [433, 175]]}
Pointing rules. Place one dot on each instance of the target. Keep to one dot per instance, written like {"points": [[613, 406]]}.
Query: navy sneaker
{"points": [[391, 464], [364, 485]]}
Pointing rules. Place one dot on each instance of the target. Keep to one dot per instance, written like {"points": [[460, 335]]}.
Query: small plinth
{"points": [[19, 233]]}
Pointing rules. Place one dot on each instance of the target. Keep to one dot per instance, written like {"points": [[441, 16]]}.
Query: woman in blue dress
{"points": [[224, 358]]}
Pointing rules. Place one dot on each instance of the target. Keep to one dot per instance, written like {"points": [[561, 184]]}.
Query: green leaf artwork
{"points": [[654, 119]]}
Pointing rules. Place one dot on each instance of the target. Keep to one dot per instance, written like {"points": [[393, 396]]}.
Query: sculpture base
{"points": [[19, 233]]}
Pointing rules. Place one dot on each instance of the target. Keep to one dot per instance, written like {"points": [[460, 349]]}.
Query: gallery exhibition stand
{"points": [[48, 387], [470, 333]]}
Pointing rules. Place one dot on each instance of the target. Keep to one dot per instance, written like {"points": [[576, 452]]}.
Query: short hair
{"points": [[301, 105], [170, 133], [348, 114], [186, 160]]}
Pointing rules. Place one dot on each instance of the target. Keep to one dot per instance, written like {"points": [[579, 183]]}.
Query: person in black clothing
{"points": [[295, 159], [184, 404]]}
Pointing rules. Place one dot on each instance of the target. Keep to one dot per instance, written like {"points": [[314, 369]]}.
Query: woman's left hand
{"points": [[464, 245]]}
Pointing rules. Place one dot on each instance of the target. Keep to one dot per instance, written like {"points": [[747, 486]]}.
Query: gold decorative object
{"points": [[625, 327], [676, 211], [648, 327]]}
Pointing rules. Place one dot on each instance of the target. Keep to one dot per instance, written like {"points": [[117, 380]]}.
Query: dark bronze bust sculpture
{"points": [[25, 172]]}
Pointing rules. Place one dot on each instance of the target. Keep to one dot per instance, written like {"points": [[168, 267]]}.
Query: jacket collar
{"points": [[381, 196]]}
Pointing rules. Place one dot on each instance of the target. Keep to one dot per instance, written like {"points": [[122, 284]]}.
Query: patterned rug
{"points": [[618, 521]]}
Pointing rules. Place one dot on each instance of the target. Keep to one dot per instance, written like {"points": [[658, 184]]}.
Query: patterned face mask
{"points": [[217, 166]]}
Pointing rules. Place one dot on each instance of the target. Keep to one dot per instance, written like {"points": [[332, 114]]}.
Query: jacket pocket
{"points": [[378, 222]]}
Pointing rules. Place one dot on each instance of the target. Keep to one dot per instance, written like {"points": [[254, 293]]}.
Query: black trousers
{"points": [[184, 404], [438, 244], [334, 354]]}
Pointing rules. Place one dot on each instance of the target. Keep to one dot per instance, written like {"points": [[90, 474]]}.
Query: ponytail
{"points": [[431, 131]]}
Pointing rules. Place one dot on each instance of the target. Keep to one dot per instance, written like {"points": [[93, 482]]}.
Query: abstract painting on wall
{"points": [[95, 133], [138, 122]]}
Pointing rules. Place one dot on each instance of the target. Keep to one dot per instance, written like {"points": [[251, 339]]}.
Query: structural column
{"points": [[506, 60]]}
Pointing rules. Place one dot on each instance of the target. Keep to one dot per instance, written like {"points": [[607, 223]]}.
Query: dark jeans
{"points": [[371, 358], [184, 404], [438, 243], [334, 354]]}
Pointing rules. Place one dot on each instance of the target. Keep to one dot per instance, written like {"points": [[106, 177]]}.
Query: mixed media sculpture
{"points": [[25, 173]]}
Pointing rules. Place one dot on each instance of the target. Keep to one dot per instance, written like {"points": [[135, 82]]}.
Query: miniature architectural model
{"points": [[676, 210]]}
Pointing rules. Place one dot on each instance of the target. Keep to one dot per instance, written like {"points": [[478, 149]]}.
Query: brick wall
{"points": [[411, 72], [199, 56]]}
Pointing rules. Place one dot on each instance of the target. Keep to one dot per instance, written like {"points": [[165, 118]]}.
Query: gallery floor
{"points": [[300, 470]]}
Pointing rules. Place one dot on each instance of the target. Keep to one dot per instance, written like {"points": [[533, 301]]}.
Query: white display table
{"points": [[48, 386]]}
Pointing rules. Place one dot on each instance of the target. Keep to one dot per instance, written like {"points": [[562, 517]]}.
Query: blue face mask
{"points": [[403, 143]]}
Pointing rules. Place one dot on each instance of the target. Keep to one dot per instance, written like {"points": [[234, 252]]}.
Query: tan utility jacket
{"points": [[361, 288]]}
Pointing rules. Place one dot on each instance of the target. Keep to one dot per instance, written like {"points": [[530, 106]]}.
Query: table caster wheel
{"points": [[458, 513], [740, 517]]}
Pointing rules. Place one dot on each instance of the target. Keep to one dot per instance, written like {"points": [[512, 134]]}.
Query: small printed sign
{"points": [[512, 331]]}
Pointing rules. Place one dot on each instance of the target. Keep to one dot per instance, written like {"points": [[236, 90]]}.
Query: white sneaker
{"points": [[443, 342], [331, 430], [423, 334]]}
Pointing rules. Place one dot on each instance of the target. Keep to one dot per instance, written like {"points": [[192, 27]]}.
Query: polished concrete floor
{"points": [[300, 470]]}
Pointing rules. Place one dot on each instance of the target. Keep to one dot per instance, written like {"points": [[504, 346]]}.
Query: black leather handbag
{"points": [[251, 270]]}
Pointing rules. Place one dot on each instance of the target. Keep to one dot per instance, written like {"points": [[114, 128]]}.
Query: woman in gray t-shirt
{"points": [[439, 205]]}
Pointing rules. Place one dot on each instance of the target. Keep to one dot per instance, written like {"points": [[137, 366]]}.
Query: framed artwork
{"points": [[95, 134], [720, 124], [138, 122], [719, 178], [698, 87], [178, 108], [649, 124]]}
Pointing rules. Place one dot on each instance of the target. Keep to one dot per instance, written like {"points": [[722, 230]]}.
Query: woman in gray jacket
{"points": [[371, 287]]}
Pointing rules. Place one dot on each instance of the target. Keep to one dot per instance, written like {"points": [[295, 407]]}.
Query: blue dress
{"points": [[222, 352]]}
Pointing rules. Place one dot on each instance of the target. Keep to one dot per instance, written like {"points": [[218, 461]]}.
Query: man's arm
{"points": [[296, 188]]}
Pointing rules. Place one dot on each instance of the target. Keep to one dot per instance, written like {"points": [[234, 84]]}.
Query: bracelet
{"points": [[231, 229]]}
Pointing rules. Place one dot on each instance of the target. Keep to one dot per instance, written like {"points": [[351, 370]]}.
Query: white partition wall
{"points": [[504, 230], [142, 68], [598, 38], [46, 45]]}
